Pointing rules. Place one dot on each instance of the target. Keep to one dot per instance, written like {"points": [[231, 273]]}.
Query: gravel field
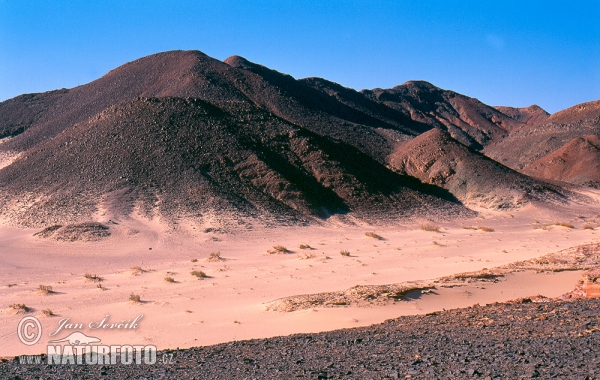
{"points": [[500, 341]]}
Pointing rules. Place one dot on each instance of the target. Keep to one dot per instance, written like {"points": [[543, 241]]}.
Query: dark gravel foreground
{"points": [[500, 341]]}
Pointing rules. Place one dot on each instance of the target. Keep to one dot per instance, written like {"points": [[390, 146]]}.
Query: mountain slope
{"points": [[530, 143], [174, 73], [20, 113], [180, 134], [576, 162], [436, 158], [194, 74], [301, 104], [531, 115], [466, 119], [184, 157]]}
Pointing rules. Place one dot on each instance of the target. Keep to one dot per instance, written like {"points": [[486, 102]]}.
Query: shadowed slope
{"points": [[299, 103]]}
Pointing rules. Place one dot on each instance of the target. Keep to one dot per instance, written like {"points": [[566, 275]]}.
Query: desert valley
{"points": [[224, 201]]}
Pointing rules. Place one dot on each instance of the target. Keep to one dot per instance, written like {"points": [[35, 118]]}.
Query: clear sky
{"points": [[502, 52]]}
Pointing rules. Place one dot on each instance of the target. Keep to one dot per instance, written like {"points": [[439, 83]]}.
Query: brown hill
{"points": [[300, 103], [19, 113], [175, 73], [589, 110], [436, 158], [531, 115], [466, 119], [530, 143], [577, 162], [178, 132], [193, 74], [185, 157], [389, 117]]}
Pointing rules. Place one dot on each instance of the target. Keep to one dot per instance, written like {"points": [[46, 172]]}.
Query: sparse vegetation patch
{"points": [[480, 228]]}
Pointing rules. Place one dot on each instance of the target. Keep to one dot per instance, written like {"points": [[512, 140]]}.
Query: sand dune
{"points": [[232, 301]]}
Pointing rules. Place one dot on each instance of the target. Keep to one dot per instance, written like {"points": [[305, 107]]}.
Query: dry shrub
{"points": [[92, 277], [430, 228], [345, 253], [20, 308], [214, 257], [169, 279], [134, 298], [199, 274], [374, 235], [45, 289], [278, 249], [48, 312], [566, 225], [136, 271], [305, 246]]}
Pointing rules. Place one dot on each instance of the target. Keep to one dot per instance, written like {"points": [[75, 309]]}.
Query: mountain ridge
{"points": [[181, 134]]}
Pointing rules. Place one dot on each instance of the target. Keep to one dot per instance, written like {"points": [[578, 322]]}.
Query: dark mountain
{"points": [[186, 157], [20, 113], [179, 74], [180, 134], [466, 119], [301, 104]]}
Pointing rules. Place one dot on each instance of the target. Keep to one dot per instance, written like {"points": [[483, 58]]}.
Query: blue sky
{"points": [[502, 52]]}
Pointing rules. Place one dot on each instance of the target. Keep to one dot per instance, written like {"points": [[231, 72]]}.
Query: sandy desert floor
{"points": [[231, 302]]}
